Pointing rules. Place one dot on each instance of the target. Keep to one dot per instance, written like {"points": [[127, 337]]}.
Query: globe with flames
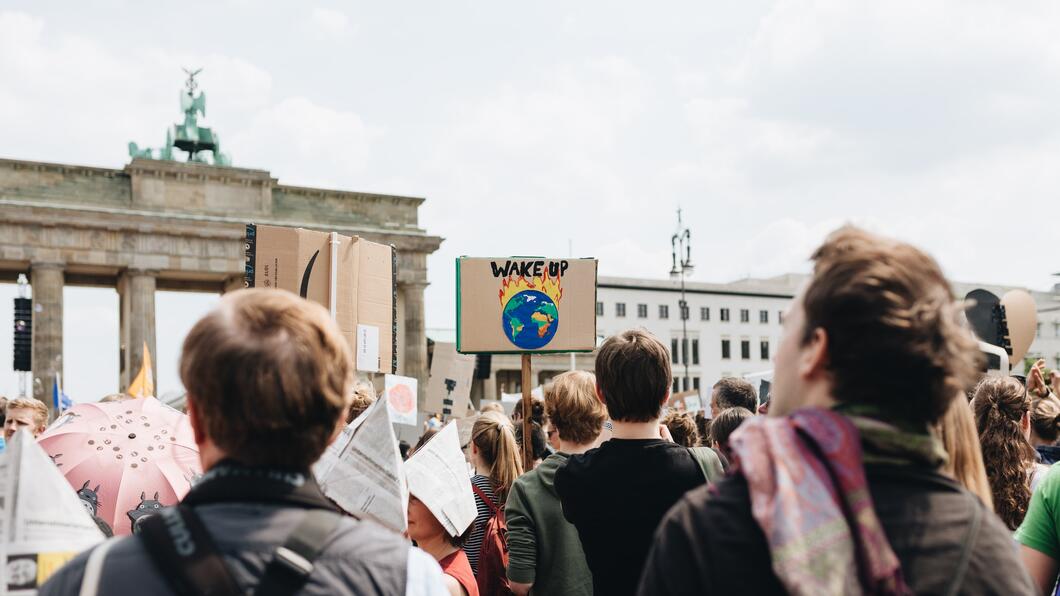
{"points": [[530, 314]]}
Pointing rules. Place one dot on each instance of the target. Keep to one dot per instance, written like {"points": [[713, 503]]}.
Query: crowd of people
{"points": [[889, 462]]}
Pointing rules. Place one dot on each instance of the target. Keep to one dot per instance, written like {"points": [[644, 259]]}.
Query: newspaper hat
{"points": [[437, 476]]}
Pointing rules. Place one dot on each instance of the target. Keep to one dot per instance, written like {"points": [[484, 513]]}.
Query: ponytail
{"points": [[999, 405], [1045, 417], [494, 437]]}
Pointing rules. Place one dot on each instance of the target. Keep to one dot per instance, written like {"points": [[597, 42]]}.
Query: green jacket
{"points": [[543, 547]]}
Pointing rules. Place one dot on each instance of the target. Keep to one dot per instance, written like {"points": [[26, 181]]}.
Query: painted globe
{"points": [[530, 320]]}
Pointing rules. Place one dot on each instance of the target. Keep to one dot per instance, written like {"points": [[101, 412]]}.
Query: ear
{"points": [[143, 496], [96, 490], [85, 485], [600, 395], [814, 357], [193, 418], [156, 496]]}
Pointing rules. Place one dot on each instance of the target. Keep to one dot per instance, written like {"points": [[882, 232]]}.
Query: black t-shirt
{"points": [[709, 542], [615, 496]]}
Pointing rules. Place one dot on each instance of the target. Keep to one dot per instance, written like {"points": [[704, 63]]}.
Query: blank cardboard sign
{"points": [[299, 261], [525, 304]]}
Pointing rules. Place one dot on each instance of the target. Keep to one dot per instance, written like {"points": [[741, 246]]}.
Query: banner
{"points": [[400, 396], [362, 471], [360, 289], [449, 386], [517, 305]]}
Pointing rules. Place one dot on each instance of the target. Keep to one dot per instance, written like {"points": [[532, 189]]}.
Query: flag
{"points": [[60, 400], [144, 383]]}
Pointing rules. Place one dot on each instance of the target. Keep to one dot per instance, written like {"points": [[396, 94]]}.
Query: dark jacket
{"points": [[710, 544]]}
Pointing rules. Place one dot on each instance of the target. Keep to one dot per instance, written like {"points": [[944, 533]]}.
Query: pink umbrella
{"points": [[125, 459]]}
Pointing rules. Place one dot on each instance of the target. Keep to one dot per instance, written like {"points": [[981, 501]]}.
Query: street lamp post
{"points": [[681, 244]]}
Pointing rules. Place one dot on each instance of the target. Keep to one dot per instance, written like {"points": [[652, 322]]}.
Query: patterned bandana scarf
{"points": [[809, 495]]}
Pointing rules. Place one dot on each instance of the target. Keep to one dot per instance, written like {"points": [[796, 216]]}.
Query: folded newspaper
{"points": [[438, 476], [361, 470], [43, 523]]}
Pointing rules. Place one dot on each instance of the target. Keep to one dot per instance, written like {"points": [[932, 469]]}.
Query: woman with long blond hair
{"points": [[1002, 414], [960, 439], [495, 455]]}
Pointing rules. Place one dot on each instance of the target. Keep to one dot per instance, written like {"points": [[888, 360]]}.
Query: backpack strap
{"points": [[489, 502], [185, 554], [292, 563]]}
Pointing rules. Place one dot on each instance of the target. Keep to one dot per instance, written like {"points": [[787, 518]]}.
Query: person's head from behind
{"points": [[732, 392], [633, 376], [1001, 407], [722, 427], [1045, 421], [493, 407], [363, 398], [877, 326], [573, 410], [495, 451], [30, 414], [537, 411], [682, 428], [269, 378]]}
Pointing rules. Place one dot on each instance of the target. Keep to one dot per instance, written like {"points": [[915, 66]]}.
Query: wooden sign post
{"points": [[528, 425]]}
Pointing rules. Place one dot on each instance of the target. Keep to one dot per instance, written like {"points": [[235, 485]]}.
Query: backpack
{"points": [[492, 576]]}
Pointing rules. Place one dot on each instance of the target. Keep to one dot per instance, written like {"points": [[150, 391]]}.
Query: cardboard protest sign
{"points": [[361, 471], [399, 393], [44, 523], [363, 292], [517, 305], [686, 401], [449, 386], [437, 475]]}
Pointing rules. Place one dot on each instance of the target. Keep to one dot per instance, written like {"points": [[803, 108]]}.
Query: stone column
{"points": [[47, 280], [415, 336], [136, 291]]}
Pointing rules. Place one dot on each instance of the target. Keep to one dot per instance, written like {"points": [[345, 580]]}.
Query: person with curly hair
{"points": [[1002, 414]]}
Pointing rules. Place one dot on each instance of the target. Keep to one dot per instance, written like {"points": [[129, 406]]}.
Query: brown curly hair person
{"points": [[1001, 407]]}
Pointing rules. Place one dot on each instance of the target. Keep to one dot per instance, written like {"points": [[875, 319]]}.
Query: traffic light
{"points": [[23, 350]]}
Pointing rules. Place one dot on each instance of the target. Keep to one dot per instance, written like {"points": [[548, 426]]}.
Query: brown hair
{"points": [[885, 306], [956, 429], [426, 436], [732, 392], [633, 374], [113, 397], [270, 376], [725, 424], [494, 436], [537, 409], [573, 408], [363, 398], [1045, 418], [40, 411], [999, 406], [682, 428]]}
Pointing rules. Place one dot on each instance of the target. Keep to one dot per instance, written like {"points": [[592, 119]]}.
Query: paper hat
{"points": [[437, 476]]}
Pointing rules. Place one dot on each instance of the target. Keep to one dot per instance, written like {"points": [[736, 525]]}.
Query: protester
{"points": [[432, 537], [839, 490], [616, 494], [269, 378], [956, 429], [538, 442], [724, 425], [545, 554], [732, 392], [1002, 415], [493, 407], [551, 434], [1045, 428], [28, 413], [426, 436], [682, 428], [703, 428], [363, 396], [496, 458], [537, 411]]}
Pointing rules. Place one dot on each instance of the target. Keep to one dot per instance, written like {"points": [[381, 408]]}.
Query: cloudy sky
{"points": [[536, 127]]}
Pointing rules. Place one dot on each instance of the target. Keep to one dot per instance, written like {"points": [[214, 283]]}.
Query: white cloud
{"points": [[328, 21]]}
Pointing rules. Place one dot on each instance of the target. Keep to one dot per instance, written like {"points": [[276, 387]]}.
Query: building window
{"points": [[677, 389], [745, 315], [704, 313], [725, 355], [780, 317], [684, 310], [725, 315], [642, 311], [673, 350], [695, 351], [664, 311], [764, 347], [763, 316], [745, 349], [620, 309], [599, 309]]}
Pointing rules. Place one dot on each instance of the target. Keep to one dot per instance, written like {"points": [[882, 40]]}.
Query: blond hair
{"points": [[363, 398], [494, 436], [40, 411], [960, 439], [682, 428], [573, 408], [270, 377]]}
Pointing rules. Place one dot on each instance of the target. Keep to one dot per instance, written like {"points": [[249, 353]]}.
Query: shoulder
{"points": [[993, 550], [127, 567]]}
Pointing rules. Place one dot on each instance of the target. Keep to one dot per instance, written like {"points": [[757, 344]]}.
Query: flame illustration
{"points": [[546, 284]]}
